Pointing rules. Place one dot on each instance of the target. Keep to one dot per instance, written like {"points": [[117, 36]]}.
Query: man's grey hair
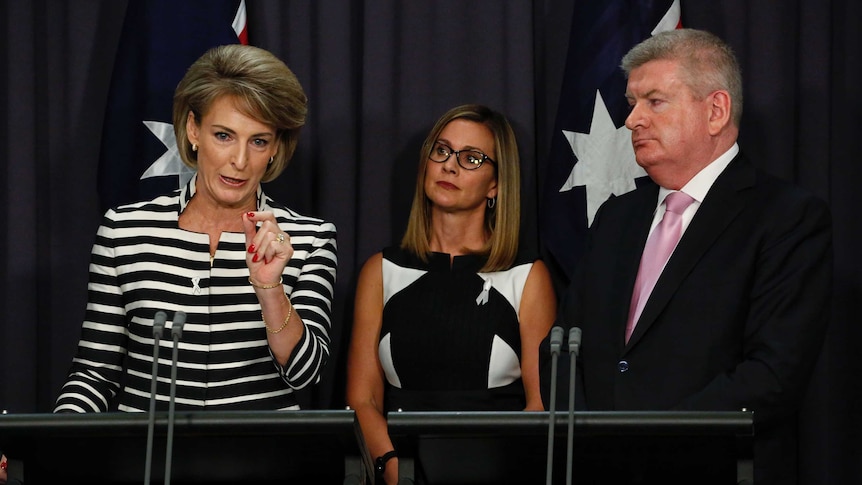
{"points": [[707, 63]]}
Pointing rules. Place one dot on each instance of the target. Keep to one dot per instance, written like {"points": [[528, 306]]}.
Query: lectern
{"points": [[609, 447], [209, 447]]}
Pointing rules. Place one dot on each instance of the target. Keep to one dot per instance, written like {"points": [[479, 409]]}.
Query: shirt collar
{"points": [[700, 184]]}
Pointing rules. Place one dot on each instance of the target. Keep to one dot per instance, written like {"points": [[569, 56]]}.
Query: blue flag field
{"points": [[591, 158], [159, 41]]}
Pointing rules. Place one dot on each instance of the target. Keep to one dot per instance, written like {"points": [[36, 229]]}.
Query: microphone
{"points": [[158, 328], [556, 344], [574, 349], [176, 333]]}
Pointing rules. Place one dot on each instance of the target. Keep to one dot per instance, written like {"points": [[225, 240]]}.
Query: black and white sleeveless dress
{"points": [[450, 338]]}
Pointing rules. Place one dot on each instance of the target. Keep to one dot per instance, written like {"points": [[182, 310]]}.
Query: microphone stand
{"points": [[556, 343], [176, 333], [574, 349], [158, 328]]}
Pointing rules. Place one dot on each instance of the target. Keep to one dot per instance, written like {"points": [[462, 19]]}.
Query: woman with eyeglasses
{"points": [[452, 318]]}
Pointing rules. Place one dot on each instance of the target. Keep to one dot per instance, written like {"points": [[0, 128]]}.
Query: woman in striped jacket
{"points": [[254, 278]]}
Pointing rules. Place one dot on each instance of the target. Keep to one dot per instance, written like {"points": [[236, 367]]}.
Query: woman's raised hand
{"points": [[268, 248]]}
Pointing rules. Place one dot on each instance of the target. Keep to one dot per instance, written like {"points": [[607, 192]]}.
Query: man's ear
{"points": [[719, 113]]}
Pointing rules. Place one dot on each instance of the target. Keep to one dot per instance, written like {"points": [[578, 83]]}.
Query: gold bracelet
{"points": [[286, 319], [266, 287]]}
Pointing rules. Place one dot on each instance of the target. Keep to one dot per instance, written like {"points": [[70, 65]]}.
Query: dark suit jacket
{"points": [[736, 319]]}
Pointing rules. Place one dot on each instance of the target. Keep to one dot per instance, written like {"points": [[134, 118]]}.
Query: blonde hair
{"points": [[706, 63], [502, 221], [263, 87]]}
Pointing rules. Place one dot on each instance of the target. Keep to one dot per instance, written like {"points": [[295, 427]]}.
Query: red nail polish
{"points": [[255, 258], [251, 248], [250, 214]]}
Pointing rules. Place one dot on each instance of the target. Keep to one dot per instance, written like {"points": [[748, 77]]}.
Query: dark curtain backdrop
{"points": [[378, 73]]}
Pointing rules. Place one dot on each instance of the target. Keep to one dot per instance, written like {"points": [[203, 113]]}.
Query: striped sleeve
{"points": [[311, 296], [96, 372]]}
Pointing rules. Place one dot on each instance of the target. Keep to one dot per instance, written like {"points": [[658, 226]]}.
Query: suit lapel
{"points": [[720, 206]]}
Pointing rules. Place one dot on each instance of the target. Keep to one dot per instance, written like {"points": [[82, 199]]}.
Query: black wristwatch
{"points": [[380, 462]]}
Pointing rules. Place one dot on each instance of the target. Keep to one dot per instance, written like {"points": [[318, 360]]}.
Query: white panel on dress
{"points": [[510, 283], [384, 350], [504, 367], [396, 278]]}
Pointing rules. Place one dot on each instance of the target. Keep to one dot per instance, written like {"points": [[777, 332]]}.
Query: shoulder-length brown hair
{"points": [[502, 222], [264, 89]]}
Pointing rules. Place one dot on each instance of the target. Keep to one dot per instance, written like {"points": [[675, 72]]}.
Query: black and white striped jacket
{"points": [[142, 262]]}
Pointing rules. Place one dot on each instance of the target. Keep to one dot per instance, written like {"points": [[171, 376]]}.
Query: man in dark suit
{"points": [[737, 316]]}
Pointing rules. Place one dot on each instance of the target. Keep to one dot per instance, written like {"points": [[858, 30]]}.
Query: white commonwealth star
{"points": [[170, 162], [606, 161]]}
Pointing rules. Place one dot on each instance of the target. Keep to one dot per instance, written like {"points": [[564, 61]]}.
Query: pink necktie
{"points": [[658, 248]]}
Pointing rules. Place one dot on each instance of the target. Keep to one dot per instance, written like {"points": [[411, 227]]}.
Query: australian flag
{"points": [[159, 41], [591, 157]]}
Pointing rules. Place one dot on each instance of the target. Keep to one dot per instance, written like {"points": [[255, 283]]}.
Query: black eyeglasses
{"points": [[467, 159]]}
